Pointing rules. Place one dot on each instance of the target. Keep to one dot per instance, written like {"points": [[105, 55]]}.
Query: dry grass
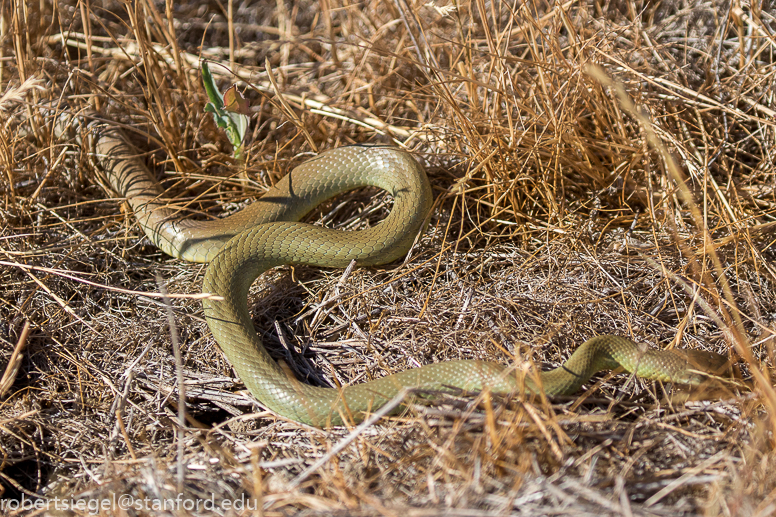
{"points": [[568, 206]]}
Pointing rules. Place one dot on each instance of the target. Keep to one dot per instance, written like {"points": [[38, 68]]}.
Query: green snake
{"points": [[267, 234]]}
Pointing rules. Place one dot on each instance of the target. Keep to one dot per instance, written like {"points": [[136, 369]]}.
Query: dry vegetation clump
{"points": [[599, 168]]}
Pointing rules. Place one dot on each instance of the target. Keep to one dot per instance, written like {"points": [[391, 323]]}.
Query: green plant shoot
{"points": [[229, 110]]}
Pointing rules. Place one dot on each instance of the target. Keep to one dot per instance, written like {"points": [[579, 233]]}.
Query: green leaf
{"points": [[232, 116], [210, 86]]}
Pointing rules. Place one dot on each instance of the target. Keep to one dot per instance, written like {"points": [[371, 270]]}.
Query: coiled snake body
{"points": [[267, 234]]}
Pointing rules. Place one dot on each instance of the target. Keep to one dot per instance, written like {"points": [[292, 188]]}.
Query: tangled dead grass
{"points": [[600, 168]]}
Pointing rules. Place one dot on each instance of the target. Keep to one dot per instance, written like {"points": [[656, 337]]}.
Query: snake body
{"points": [[266, 234]]}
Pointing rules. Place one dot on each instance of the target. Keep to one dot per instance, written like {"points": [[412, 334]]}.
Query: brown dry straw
{"points": [[566, 207]]}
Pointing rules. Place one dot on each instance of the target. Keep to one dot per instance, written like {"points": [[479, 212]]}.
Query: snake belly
{"points": [[267, 234]]}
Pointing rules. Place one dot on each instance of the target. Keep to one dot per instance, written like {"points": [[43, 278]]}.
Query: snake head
{"points": [[712, 375]]}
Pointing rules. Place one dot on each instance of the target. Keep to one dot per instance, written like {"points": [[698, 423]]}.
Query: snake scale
{"points": [[266, 234]]}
